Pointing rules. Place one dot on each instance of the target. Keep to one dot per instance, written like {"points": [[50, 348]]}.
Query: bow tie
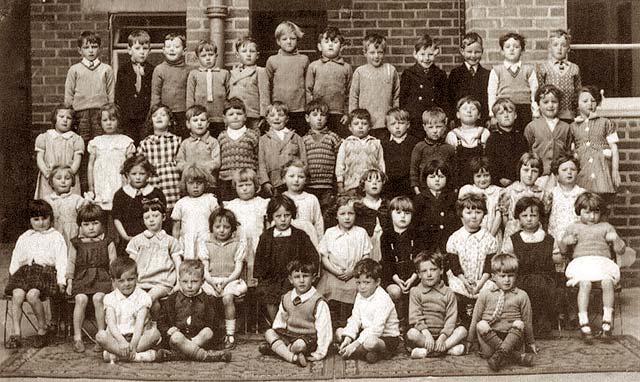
{"points": [[562, 65]]}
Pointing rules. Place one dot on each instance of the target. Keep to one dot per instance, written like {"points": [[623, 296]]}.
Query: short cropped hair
{"points": [[435, 257], [234, 103], [278, 201], [245, 41], [559, 33], [60, 168], [140, 36], [192, 267], [92, 212], [399, 114], [137, 160], [222, 213], [377, 40], [179, 36], [401, 203], [245, 175], [40, 208], [435, 166], [206, 46], [194, 173], [469, 99], [425, 41], [121, 265], [344, 200], [369, 268], [471, 38], [194, 111], [434, 115], [360, 114], [288, 27], [153, 205], [302, 264], [529, 201], [516, 36], [548, 89], [53, 117], [316, 104], [331, 33], [503, 103], [504, 262], [532, 159], [471, 201], [559, 161], [589, 201], [90, 37]]}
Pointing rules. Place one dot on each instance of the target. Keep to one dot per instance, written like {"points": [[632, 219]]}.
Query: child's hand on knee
{"points": [[349, 350], [440, 344], [429, 344]]}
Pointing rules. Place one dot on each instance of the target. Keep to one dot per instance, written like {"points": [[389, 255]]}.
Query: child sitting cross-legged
{"points": [[433, 311], [190, 316], [129, 335], [302, 327], [373, 328], [501, 321]]}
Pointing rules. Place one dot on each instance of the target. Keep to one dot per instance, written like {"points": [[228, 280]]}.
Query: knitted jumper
{"points": [[87, 88], [322, 150], [514, 87], [221, 257], [286, 73], [568, 82], [238, 154], [329, 80], [301, 318], [169, 86], [355, 157]]}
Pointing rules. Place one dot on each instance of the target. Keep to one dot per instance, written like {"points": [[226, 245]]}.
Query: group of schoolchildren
{"points": [[413, 237]]}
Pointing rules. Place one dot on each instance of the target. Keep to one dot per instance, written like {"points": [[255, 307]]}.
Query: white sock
{"points": [[583, 318], [418, 353], [456, 350], [230, 327], [145, 356], [607, 314]]}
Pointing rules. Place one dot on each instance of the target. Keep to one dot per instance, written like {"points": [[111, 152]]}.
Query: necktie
{"points": [[297, 301], [499, 307], [209, 85], [139, 73], [472, 69]]}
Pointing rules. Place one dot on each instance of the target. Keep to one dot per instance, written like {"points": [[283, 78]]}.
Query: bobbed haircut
{"points": [[245, 175], [222, 213], [60, 168], [284, 201], [92, 212], [595, 93], [532, 159], [54, 113], [529, 201], [154, 204], [39, 208], [435, 166], [471, 201], [137, 160], [590, 201], [479, 164], [401, 203], [194, 173], [113, 111]]}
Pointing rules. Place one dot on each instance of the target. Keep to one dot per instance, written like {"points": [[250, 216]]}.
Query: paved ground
{"points": [[628, 322]]}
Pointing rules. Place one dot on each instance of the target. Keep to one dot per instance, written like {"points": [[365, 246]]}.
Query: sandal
{"points": [[606, 334], [13, 342], [587, 336]]}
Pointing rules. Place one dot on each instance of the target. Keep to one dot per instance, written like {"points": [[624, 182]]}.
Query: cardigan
{"points": [[197, 91], [274, 153], [549, 145], [251, 85]]}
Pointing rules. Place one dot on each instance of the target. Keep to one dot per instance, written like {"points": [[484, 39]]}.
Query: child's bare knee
{"points": [[82, 299], [394, 292], [483, 327], [177, 338], [518, 324], [228, 299], [101, 336], [585, 285], [413, 333], [97, 298], [370, 343], [33, 295], [606, 284]]}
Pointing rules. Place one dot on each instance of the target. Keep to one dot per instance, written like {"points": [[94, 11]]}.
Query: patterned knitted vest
{"points": [[238, 154]]}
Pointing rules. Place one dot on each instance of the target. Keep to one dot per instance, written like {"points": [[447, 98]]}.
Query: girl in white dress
{"points": [[295, 174], [191, 214], [107, 153]]}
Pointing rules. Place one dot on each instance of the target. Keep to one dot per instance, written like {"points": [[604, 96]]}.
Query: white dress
{"points": [[193, 214], [110, 152], [309, 210], [563, 212], [250, 214], [472, 249], [492, 193]]}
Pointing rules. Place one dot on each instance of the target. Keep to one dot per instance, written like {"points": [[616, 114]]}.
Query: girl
{"points": [[469, 139], [479, 167], [157, 255], [277, 246], [88, 270], [107, 153], [399, 245], [590, 241], [435, 209], [530, 168], [37, 271], [65, 204], [470, 250], [160, 149], [58, 146], [127, 201], [596, 146], [191, 213], [372, 211], [536, 271], [223, 260], [341, 247], [295, 174]]}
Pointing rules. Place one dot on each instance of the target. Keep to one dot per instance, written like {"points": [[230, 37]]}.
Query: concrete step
{"points": [[630, 277]]}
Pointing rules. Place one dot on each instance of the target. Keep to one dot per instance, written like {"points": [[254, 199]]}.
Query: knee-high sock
{"points": [[282, 350], [512, 341], [191, 350], [492, 339]]}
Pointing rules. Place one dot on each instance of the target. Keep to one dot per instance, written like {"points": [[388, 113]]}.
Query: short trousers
{"points": [[310, 340]]}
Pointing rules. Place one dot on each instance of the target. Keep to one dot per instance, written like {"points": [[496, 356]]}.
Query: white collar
{"points": [[159, 235], [65, 135], [285, 233], [512, 65], [132, 192], [236, 134], [396, 139], [32, 232], [373, 295], [475, 67], [91, 64], [535, 237], [552, 123], [282, 133], [305, 296]]}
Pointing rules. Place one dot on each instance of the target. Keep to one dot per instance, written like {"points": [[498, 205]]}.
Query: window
{"points": [[606, 44], [157, 25]]}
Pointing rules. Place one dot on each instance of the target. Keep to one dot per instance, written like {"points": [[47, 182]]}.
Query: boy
{"points": [[373, 328], [169, 82], [501, 321], [423, 85], [208, 85], [133, 85], [200, 147], [514, 80], [470, 78], [302, 327], [130, 334], [504, 146], [558, 71], [433, 311], [238, 147], [250, 82], [328, 79], [376, 85], [397, 153], [286, 71], [357, 154], [431, 147], [190, 317], [322, 146], [90, 84]]}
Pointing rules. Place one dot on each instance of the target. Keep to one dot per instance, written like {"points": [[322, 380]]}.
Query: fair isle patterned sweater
{"points": [[355, 157], [238, 154]]}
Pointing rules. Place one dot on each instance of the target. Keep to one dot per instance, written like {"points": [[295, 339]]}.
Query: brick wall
{"points": [[626, 211]]}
